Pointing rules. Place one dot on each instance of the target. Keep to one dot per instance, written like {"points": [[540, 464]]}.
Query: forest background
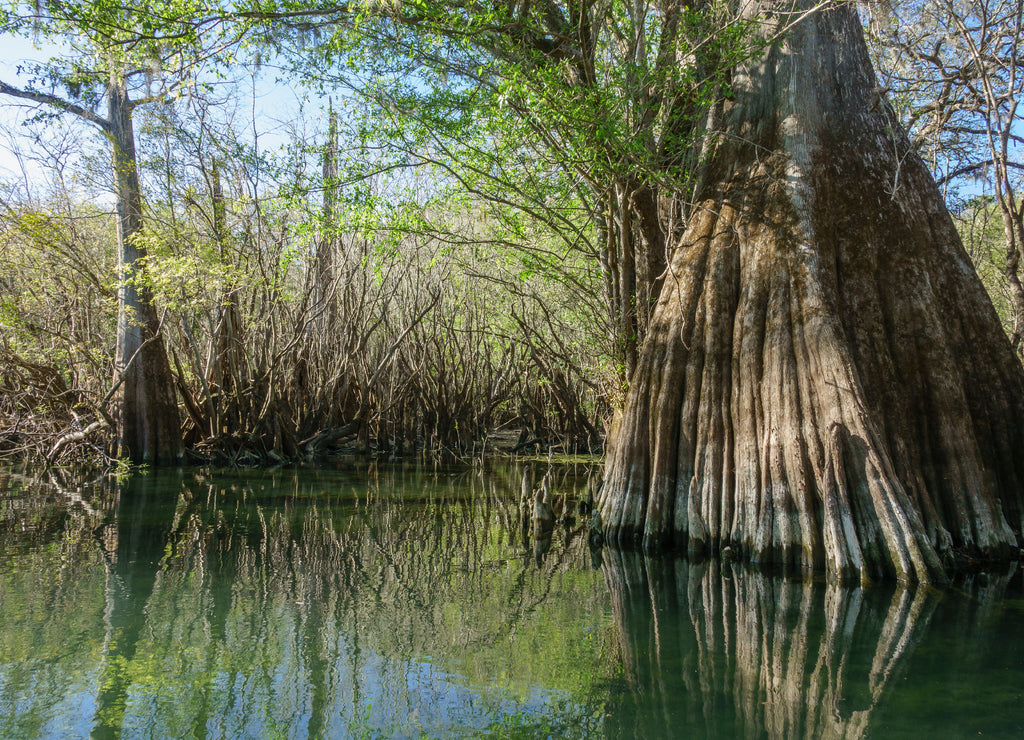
{"points": [[452, 249]]}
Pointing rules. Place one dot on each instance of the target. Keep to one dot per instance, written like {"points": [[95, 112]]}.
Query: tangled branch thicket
{"points": [[402, 346]]}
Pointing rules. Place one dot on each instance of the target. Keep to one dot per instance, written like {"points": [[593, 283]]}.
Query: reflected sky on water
{"points": [[430, 602]]}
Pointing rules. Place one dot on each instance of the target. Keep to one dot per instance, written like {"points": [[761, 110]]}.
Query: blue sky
{"points": [[269, 105]]}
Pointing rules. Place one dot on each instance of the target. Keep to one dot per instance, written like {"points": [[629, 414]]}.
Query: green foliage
{"points": [[57, 285], [981, 228], [539, 122]]}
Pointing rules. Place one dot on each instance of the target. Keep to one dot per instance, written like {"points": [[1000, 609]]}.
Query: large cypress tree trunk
{"points": [[825, 383], [147, 411]]}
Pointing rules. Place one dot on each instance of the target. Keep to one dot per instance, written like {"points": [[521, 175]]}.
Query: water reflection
{"points": [[789, 659], [306, 606], [402, 603]]}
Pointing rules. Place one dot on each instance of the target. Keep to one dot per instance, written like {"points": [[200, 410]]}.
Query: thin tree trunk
{"points": [[147, 411], [628, 329], [825, 383], [325, 304], [225, 369], [633, 258]]}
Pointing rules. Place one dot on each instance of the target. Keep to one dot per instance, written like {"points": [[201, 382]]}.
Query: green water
{"points": [[404, 602]]}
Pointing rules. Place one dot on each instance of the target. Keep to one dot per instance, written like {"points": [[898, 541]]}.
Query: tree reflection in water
{"points": [[406, 603], [304, 605], [718, 650]]}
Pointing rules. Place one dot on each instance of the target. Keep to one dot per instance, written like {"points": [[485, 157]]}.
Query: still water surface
{"points": [[413, 602]]}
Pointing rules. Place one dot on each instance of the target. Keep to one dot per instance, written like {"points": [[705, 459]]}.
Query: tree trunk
{"points": [[825, 383], [147, 411], [633, 260], [324, 281], [226, 365]]}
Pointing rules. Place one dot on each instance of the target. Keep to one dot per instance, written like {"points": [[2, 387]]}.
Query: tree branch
{"points": [[974, 167], [64, 105]]}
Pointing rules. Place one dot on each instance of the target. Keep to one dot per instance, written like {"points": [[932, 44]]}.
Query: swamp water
{"points": [[413, 602]]}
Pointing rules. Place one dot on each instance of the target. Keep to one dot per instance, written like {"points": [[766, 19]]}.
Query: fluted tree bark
{"points": [[825, 383]]}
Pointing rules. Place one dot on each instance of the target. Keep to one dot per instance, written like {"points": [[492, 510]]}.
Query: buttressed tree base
{"points": [[825, 384]]}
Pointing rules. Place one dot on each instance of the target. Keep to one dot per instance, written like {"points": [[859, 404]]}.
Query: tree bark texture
{"points": [[825, 384], [147, 412]]}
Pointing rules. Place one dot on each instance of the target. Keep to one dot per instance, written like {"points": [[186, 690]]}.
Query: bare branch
{"points": [[56, 102]]}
